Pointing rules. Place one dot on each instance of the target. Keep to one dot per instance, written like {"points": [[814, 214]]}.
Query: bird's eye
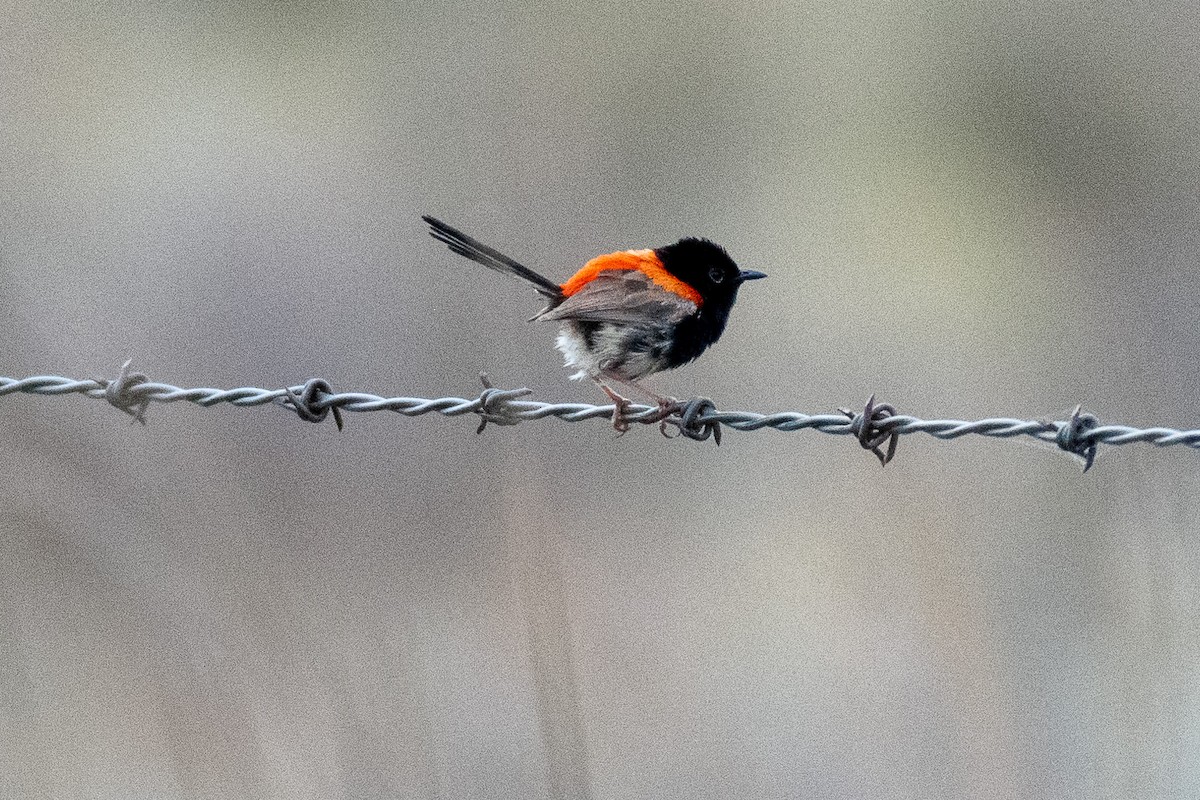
{"points": [[716, 274]]}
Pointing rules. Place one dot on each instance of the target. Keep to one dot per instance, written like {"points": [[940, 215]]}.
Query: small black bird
{"points": [[628, 314]]}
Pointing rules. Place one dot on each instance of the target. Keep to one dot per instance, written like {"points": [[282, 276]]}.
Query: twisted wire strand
{"points": [[132, 392]]}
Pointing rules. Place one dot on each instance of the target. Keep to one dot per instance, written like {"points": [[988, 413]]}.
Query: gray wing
{"points": [[626, 297]]}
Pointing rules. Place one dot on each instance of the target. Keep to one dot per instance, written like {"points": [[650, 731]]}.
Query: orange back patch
{"points": [[644, 261]]}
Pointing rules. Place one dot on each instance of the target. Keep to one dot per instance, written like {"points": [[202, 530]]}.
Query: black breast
{"points": [[693, 336]]}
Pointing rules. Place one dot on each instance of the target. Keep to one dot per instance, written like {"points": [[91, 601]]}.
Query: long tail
{"points": [[464, 245]]}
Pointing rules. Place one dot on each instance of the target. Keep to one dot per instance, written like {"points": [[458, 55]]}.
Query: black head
{"points": [[707, 268]]}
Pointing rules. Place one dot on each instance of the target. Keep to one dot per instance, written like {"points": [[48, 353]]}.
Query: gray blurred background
{"points": [[970, 210]]}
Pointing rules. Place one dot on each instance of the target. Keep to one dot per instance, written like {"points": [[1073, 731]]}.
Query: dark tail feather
{"points": [[464, 245]]}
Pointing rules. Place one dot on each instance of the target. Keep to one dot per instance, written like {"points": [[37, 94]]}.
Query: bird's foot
{"points": [[621, 423], [667, 407]]}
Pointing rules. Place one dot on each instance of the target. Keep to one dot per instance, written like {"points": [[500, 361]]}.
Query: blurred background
{"points": [[972, 210]]}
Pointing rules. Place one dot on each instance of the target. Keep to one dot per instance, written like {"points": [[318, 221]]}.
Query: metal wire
{"points": [[132, 392]]}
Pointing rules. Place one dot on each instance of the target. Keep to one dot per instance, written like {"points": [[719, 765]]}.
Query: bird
{"points": [[628, 314]]}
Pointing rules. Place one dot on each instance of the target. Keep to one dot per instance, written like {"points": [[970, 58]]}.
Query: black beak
{"points": [[750, 275]]}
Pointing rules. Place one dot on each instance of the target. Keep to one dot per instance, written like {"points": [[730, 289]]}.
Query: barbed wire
{"points": [[874, 426]]}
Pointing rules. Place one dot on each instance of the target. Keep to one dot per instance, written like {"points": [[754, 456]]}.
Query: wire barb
{"points": [[311, 402], [1073, 436], [494, 404], [688, 420], [869, 428], [120, 393]]}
